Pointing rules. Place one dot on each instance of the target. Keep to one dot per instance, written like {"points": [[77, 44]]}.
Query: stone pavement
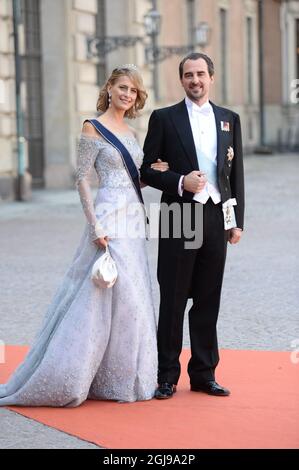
{"points": [[260, 299]]}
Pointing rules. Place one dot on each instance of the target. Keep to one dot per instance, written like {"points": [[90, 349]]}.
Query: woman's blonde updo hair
{"points": [[134, 75]]}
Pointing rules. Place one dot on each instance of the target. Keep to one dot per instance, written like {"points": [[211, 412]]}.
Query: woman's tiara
{"points": [[127, 66]]}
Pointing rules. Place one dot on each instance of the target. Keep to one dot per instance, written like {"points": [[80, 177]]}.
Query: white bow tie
{"points": [[203, 110]]}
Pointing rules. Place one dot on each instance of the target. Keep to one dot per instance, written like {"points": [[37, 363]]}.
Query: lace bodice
{"points": [[99, 154]]}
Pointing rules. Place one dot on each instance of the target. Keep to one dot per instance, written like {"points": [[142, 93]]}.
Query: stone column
{"points": [[7, 103]]}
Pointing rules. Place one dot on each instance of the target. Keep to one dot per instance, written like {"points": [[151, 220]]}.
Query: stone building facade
{"points": [[61, 81]]}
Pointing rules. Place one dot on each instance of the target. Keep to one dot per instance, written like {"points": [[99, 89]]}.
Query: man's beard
{"points": [[198, 95]]}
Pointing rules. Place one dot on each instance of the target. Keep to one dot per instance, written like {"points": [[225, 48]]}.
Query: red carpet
{"points": [[262, 412]]}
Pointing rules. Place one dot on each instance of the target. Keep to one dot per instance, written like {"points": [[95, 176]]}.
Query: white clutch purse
{"points": [[104, 271]]}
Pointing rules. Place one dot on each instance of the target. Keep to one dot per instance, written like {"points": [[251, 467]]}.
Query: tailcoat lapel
{"points": [[181, 122], [221, 136]]}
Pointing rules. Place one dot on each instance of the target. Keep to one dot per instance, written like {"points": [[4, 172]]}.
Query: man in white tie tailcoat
{"points": [[203, 146]]}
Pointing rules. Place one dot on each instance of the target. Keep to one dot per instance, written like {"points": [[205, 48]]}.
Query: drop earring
{"points": [[109, 100]]}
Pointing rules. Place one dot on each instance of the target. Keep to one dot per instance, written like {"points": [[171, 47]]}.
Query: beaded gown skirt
{"points": [[97, 343]]}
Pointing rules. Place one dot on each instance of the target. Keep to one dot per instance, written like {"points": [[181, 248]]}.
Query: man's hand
{"points": [[195, 181], [235, 235]]}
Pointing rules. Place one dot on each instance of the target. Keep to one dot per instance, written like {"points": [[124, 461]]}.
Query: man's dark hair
{"points": [[196, 56]]}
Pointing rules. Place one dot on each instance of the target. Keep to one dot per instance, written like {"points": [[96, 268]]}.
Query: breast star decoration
{"points": [[230, 154]]}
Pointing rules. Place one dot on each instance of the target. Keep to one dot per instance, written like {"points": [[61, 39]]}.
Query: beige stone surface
{"points": [[70, 79]]}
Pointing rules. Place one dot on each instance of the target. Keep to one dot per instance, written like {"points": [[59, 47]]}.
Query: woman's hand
{"points": [[101, 242], [159, 165]]}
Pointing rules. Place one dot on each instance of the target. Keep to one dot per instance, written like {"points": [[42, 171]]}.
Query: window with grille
{"points": [[249, 74], [223, 54], [101, 33], [31, 76]]}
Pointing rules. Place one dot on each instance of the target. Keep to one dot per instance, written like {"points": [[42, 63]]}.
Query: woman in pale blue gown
{"points": [[99, 343]]}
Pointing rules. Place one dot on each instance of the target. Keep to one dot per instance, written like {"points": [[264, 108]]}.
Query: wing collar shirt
{"points": [[203, 125]]}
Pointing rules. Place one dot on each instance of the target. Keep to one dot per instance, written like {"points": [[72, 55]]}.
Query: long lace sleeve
{"points": [[88, 150]]}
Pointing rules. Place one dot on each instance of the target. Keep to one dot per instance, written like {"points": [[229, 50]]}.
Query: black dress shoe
{"points": [[212, 388], [165, 390]]}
